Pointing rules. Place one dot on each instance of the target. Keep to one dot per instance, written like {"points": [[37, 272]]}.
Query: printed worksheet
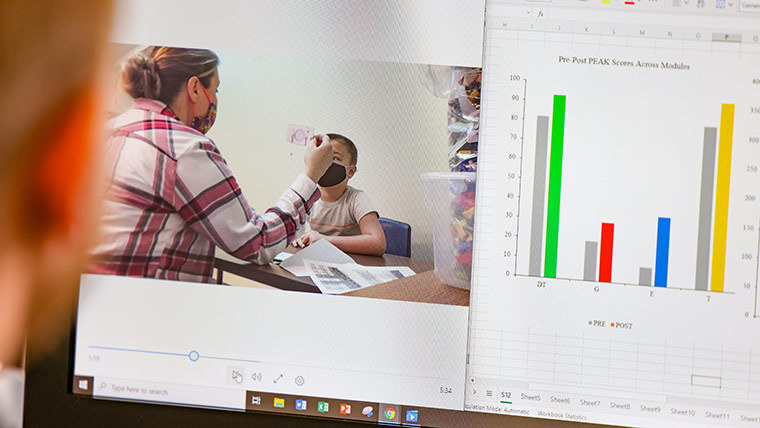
{"points": [[334, 278]]}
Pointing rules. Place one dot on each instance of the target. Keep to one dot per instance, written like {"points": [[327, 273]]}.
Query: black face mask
{"points": [[334, 175]]}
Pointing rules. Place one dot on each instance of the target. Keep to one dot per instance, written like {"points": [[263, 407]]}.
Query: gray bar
{"points": [[539, 193], [589, 261], [705, 209], [645, 276]]}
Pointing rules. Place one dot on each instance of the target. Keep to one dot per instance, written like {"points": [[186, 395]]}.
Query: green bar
{"points": [[555, 183]]}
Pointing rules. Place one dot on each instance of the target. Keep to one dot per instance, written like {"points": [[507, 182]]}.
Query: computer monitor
{"points": [[181, 304], [498, 147]]}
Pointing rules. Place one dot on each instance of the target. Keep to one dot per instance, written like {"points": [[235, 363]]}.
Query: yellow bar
{"points": [[720, 227]]}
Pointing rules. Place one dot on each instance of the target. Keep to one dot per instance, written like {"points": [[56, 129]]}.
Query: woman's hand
{"points": [[308, 238], [318, 157]]}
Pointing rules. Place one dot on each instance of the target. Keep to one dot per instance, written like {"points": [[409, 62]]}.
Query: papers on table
{"points": [[333, 278], [321, 250], [281, 257], [335, 272]]}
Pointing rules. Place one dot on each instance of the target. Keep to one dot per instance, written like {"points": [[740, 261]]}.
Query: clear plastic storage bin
{"points": [[450, 197]]}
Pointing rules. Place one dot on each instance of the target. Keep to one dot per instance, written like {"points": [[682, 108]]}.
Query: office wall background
{"points": [[398, 126]]}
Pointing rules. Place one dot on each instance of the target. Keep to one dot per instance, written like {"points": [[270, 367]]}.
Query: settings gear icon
{"points": [[300, 380]]}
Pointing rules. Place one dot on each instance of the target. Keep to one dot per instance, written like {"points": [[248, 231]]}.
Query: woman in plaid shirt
{"points": [[171, 198]]}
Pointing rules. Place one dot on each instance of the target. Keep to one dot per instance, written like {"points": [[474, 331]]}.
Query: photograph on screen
{"points": [[206, 155], [281, 225]]}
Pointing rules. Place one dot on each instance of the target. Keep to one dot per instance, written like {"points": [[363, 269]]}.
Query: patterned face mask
{"points": [[203, 125]]}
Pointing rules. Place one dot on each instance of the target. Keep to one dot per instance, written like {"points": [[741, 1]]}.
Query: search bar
{"points": [[138, 390]]}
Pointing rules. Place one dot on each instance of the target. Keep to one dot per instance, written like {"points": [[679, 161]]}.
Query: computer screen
{"points": [[615, 271], [199, 292], [538, 209]]}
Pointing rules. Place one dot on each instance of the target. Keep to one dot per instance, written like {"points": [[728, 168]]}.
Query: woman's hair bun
{"points": [[140, 77], [160, 72]]}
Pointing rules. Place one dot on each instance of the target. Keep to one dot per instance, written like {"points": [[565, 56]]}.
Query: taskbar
{"points": [[255, 401], [237, 399], [362, 411]]}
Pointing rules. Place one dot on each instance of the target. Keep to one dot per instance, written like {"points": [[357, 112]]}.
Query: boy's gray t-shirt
{"points": [[341, 217]]}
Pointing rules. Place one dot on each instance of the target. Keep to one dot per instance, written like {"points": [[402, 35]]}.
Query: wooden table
{"points": [[423, 287]]}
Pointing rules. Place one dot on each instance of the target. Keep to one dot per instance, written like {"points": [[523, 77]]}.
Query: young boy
{"points": [[344, 215]]}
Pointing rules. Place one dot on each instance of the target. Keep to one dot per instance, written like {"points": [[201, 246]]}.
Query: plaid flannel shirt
{"points": [[171, 199]]}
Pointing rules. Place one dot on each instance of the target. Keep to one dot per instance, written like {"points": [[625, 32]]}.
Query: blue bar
{"points": [[663, 248]]}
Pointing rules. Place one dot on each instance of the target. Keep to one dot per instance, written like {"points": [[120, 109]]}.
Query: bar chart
{"points": [[598, 253], [636, 183]]}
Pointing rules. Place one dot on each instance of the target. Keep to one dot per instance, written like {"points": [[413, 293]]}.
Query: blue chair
{"points": [[398, 237]]}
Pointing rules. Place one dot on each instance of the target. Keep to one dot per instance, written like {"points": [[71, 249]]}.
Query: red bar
{"points": [[605, 252], [629, 2]]}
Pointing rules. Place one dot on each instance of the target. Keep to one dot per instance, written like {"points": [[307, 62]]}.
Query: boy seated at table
{"points": [[344, 215]]}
